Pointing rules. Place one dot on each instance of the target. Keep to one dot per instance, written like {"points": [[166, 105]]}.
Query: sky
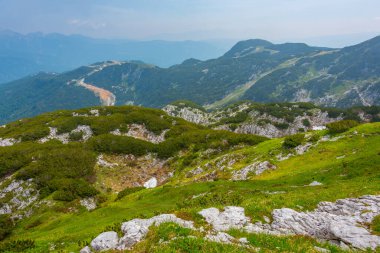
{"points": [[319, 22]]}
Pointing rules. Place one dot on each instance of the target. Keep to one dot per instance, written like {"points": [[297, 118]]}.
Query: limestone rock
{"points": [[7, 142], [85, 250], [220, 237], [151, 183], [343, 221], [141, 132], [88, 203], [231, 217], [256, 168], [135, 230], [315, 183], [105, 241]]}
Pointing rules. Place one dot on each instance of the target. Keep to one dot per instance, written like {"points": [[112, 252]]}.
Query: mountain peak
{"points": [[245, 45]]}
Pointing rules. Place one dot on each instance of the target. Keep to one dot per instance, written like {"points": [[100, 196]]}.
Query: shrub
{"points": [[306, 122], [282, 126], [17, 246], [128, 191], [341, 126], [13, 158], [293, 140], [76, 136], [6, 226], [214, 199], [34, 134], [67, 169]]}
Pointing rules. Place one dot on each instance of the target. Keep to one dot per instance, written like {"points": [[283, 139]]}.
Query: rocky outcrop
{"points": [[65, 137], [342, 222], [141, 132], [257, 123], [190, 114], [134, 231], [105, 241], [232, 217]]}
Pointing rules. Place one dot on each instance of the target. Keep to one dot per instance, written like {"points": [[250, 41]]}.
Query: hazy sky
{"points": [[324, 22]]}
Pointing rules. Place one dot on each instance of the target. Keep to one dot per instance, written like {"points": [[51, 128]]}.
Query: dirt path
{"points": [[107, 98]]}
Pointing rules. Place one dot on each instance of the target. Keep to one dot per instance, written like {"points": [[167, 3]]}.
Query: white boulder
{"points": [[151, 183]]}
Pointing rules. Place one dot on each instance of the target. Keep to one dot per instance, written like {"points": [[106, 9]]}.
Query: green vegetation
{"points": [[293, 140], [17, 246], [6, 226], [341, 126], [375, 226], [128, 191]]}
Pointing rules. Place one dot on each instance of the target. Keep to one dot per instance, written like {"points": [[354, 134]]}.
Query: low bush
{"points": [[282, 126], [17, 246], [341, 126], [76, 136], [293, 140], [6, 226], [214, 199], [306, 122]]}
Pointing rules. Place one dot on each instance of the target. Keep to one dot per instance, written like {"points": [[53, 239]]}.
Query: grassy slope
{"points": [[358, 173]]}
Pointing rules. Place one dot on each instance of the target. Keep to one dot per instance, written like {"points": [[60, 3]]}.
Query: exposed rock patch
{"points": [[21, 195], [256, 168], [7, 142], [118, 172], [105, 241], [151, 183], [134, 231], [343, 221], [88, 203], [65, 137], [141, 132]]}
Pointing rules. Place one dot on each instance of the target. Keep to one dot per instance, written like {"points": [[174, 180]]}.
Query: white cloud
{"points": [[86, 24]]}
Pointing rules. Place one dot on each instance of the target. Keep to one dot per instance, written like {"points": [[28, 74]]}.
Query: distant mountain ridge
{"points": [[22, 55], [254, 70]]}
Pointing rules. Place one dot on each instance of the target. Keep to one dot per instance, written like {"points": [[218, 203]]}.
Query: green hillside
{"points": [[105, 155]]}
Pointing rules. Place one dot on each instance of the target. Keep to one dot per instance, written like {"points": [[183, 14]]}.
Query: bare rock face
{"points": [[105, 241], [343, 221]]}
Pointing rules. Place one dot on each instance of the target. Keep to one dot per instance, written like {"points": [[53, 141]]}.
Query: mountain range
{"points": [[252, 70], [22, 55]]}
